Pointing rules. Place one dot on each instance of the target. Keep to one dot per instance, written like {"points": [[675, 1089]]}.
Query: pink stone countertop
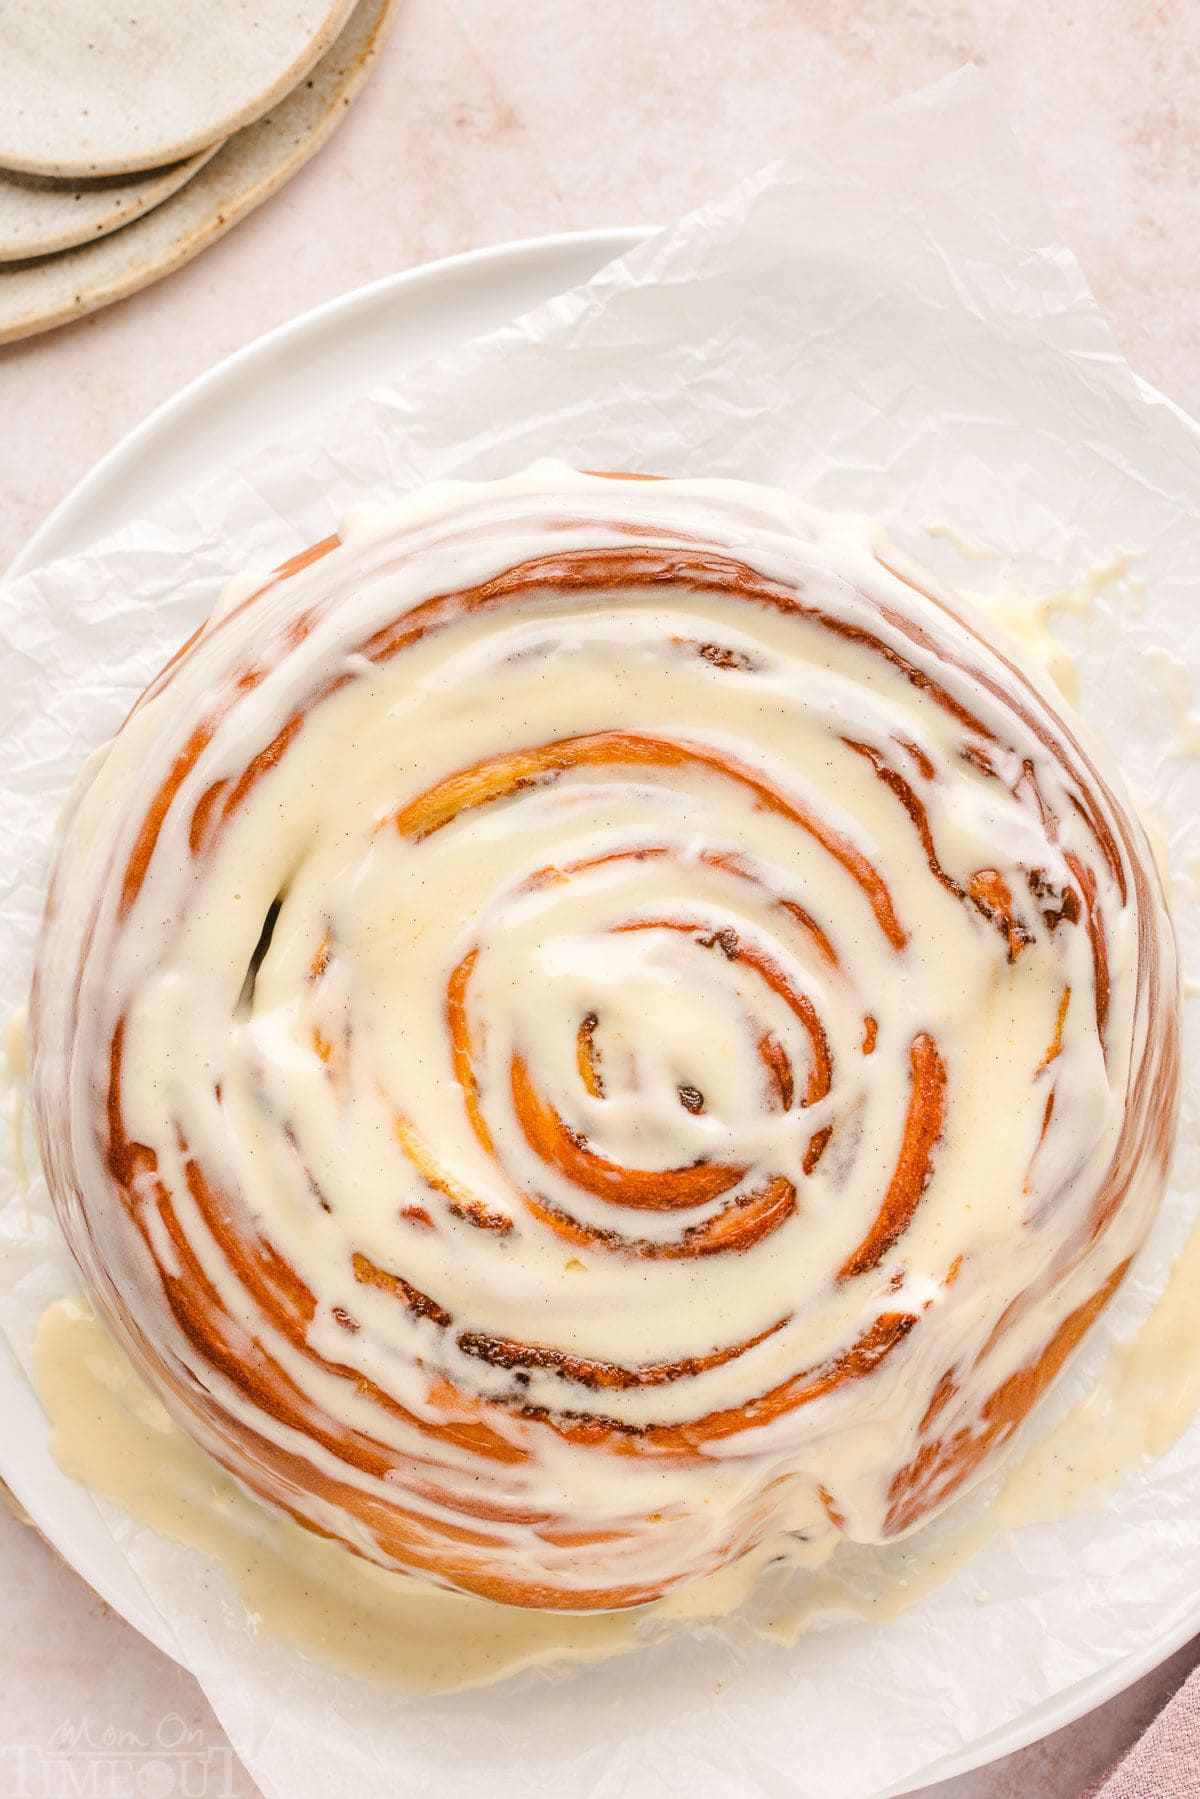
{"points": [[486, 122]]}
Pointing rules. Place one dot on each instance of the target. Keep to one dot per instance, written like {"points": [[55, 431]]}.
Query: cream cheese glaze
{"points": [[113, 1434], [598, 1020]]}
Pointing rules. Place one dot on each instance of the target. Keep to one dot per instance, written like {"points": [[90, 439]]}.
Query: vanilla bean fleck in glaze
{"points": [[597, 1020]]}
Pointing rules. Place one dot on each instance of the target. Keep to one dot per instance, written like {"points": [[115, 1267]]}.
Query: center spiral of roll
{"points": [[612, 1022]]}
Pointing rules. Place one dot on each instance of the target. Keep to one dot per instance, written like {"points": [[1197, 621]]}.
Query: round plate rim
{"points": [[42, 545], [1073, 1702]]}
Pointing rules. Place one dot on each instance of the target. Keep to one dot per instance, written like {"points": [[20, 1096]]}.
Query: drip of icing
{"points": [[237, 589], [1146, 1396], [1025, 616], [1167, 684], [110, 1432], [16, 1044], [1026, 619], [971, 549], [16, 1068]]}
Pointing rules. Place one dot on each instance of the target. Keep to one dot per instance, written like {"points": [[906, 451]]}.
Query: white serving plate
{"points": [[275, 387]]}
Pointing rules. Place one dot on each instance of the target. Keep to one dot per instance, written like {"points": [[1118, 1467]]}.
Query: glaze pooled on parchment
{"points": [[595, 1021]]}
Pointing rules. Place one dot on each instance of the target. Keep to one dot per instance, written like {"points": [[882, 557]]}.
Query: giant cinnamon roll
{"points": [[592, 1020]]}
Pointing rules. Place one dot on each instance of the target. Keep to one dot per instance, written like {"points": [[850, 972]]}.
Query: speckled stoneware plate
{"points": [[40, 214], [46, 291], [92, 87]]}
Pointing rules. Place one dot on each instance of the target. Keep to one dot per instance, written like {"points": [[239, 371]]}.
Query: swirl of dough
{"points": [[591, 1020]]}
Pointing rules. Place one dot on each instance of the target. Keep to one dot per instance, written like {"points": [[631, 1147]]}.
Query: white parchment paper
{"points": [[887, 322]]}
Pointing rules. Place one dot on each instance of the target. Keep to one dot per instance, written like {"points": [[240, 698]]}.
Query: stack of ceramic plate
{"points": [[132, 136]]}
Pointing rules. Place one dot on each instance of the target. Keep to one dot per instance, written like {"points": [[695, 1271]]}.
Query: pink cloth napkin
{"points": [[1165, 1763]]}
